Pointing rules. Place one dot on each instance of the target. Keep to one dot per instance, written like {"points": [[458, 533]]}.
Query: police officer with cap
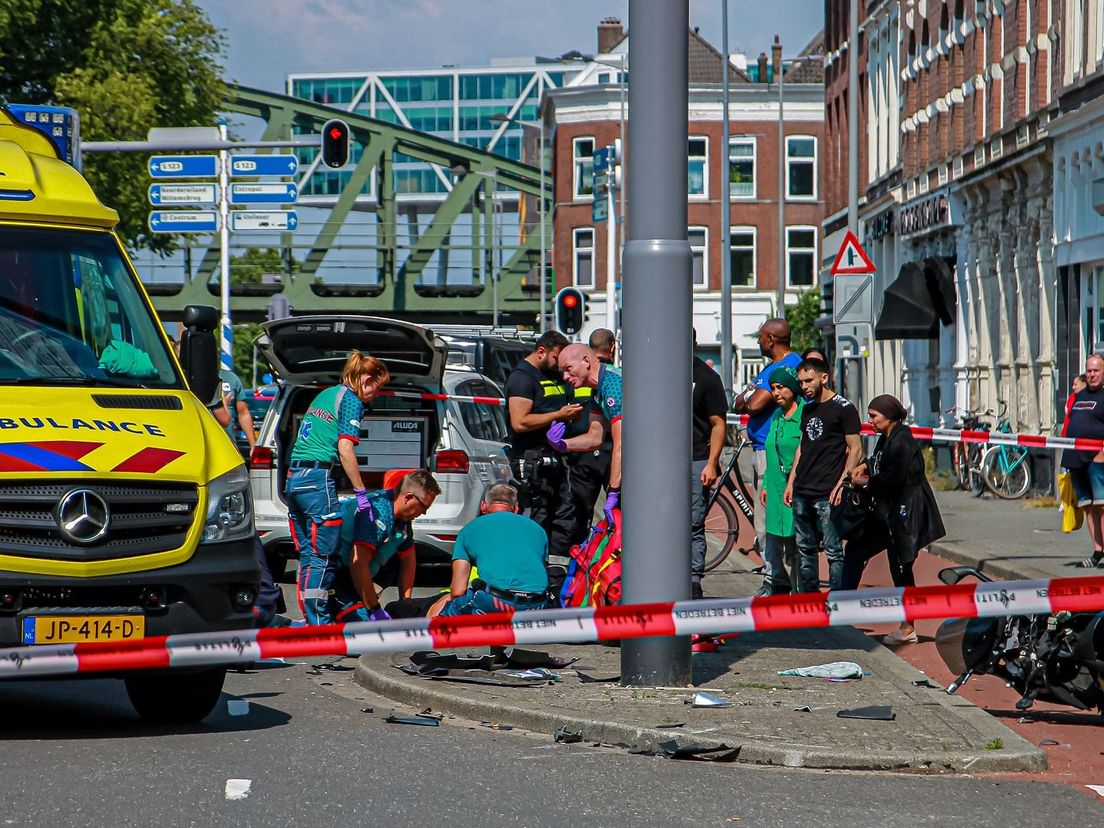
{"points": [[535, 398]]}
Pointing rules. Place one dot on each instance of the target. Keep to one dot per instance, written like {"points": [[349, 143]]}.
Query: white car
{"points": [[462, 443]]}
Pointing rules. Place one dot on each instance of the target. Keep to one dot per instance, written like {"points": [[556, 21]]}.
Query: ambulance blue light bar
{"points": [[58, 123]]}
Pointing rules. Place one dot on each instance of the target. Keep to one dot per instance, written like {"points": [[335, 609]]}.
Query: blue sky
{"points": [[270, 38]]}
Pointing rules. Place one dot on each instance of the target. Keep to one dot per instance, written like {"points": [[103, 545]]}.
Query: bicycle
{"points": [[722, 525], [967, 457], [1005, 469]]}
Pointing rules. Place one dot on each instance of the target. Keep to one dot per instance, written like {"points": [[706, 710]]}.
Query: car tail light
{"points": [[260, 458], [453, 460]]}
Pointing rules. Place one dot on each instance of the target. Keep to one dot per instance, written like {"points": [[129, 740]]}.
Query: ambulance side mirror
{"points": [[199, 353]]}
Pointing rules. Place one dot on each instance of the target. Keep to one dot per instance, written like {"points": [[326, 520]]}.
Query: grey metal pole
{"points": [[853, 104], [622, 77], [657, 311], [726, 219], [543, 242], [780, 300]]}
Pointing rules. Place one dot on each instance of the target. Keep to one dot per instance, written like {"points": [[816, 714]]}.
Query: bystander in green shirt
{"points": [[783, 438]]}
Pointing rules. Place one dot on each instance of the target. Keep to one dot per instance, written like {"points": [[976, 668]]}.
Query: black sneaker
{"points": [[696, 593]]}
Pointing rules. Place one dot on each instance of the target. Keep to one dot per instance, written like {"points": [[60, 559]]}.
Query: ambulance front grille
{"points": [[144, 518]]}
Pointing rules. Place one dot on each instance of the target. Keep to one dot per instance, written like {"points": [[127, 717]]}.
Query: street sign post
{"points": [[853, 299], [184, 221], [851, 260], [183, 166], [253, 165], [282, 193], [600, 186], [263, 220], [193, 194]]}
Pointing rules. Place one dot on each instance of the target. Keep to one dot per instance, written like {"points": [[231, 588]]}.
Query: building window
{"points": [[583, 152], [699, 248], [741, 252], [741, 168], [697, 166], [583, 247], [801, 257], [801, 164]]}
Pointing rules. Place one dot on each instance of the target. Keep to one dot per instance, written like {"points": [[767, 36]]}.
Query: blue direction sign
{"points": [[183, 221], [248, 165], [601, 159], [183, 166], [163, 195], [282, 193], [263, 220]]}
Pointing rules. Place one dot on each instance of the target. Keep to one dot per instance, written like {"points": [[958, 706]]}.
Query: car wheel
{"points": [[176, 698]]}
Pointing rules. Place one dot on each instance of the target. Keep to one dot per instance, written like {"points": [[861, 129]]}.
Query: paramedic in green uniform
{"points": [[783, 438], [327, 436]]}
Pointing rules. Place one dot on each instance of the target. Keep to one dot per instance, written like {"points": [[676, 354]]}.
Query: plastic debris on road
{"points": [[567, 737], [704, 699], [423, 721], [238, 788], [833, 670], [237, 707], [875, 712], [676, 750]]}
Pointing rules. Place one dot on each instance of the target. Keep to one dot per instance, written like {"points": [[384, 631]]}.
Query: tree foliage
{"points": [[248, 268], [125, 66], [802, 318]]}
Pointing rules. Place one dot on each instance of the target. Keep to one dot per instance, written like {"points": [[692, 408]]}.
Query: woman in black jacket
{"points": [[904, 503]]}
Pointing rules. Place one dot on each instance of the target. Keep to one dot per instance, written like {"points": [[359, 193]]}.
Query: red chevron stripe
{"points": [[148, 461], [72, 449], [14, 464]]}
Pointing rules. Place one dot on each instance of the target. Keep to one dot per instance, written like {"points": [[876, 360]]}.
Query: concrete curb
{"points": [[997, 570], [1016, 755]]}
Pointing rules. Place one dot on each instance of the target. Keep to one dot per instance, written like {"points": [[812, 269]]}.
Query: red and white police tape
{"points": [[562, 626], [926, 433]]}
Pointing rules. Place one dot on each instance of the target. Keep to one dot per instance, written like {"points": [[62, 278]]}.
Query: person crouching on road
{"points": [[904, 502], [327, 436], [511, 554], [783, 438], [370, 539]]}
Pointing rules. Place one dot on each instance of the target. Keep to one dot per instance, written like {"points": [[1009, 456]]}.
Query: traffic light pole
{"points": [[657, 294]]}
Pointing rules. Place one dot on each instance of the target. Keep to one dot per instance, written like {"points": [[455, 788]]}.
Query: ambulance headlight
{"points": [[229, 507]]}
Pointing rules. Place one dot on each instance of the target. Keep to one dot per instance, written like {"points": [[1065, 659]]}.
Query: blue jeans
{"points": [[779, 556], [316, 529], [481, 602], [814, 530], [698, 493]]}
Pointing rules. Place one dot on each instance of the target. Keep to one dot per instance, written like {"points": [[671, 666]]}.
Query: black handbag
{"points": [[854, 512]]}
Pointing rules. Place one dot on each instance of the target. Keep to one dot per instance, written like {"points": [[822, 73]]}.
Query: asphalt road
{"points": [[75, 754]]}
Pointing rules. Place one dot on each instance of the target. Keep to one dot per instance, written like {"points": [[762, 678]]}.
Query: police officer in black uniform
{"points": [[535, 398], [590, 469]]}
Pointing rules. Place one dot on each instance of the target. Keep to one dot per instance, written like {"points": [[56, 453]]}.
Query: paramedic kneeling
{"points": [[511, 553]]}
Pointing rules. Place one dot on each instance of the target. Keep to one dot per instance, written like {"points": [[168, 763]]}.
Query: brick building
{"points": [[586, 114]]}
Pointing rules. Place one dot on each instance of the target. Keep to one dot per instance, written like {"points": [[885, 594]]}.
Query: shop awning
{"points": [[920, 298]]}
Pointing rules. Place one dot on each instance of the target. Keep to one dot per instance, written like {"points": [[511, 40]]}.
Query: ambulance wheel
{"points": [[177, 698]]}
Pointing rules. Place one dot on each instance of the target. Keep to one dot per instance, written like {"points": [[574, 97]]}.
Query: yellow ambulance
{"points": [[125, 509]]}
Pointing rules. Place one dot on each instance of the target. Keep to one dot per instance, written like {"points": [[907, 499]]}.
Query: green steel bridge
{"points": [[395, 276]]}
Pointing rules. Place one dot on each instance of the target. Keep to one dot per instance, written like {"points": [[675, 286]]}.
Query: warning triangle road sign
{"points": [[852, 259]]}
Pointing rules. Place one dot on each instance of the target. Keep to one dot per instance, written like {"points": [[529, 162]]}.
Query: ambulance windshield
{"points": [[71, 313]]}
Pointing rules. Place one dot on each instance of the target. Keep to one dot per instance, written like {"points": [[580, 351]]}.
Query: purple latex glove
{"points": [[363, 503], [613, 498], [555, 437], [379, 614]]}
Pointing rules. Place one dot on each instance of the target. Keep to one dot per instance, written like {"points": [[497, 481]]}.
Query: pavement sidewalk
{"points": [[772, 719], [1009, 539]]}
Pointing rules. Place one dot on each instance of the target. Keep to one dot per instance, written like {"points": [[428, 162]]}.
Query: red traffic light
{"points": [[570, 300], [335, 143], [336, 133]]}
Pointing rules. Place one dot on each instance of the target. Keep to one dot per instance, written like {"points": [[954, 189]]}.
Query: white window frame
{"points": [[695, 249], [811, 250], [754, 231], [744, 140], [802, 159], [576, 249], [587, 161], [704, 195]]}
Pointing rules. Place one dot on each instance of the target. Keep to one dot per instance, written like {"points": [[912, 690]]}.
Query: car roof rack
{"points": [[482, 332]]}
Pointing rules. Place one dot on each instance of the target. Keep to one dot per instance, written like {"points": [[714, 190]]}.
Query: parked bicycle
{"points": [[722, 523], [967, 457], [1006, 470]]}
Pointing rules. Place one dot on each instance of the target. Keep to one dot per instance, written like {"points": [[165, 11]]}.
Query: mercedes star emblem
{"points": [[82, 516]]}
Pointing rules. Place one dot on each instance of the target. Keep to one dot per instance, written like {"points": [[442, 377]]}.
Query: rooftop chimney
{"points": [[610, 33], [776, 58], [763, 67]]}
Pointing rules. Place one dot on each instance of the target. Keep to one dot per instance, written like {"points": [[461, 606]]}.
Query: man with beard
{"points": [[535, 398], [757, 402]]}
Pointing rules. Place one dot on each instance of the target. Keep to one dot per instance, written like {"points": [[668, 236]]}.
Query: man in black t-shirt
{"points": [[707, 425], [830, 448], [535, 398], [1086, 420]]}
